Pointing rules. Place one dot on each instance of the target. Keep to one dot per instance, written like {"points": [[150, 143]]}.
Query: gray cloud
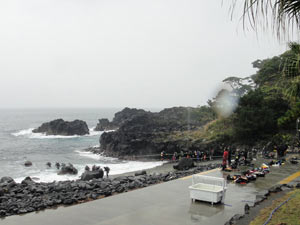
{"points": [[138, 53]]}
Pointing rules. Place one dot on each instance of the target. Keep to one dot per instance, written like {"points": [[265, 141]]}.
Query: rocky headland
{"points": [[139, 132], [61, 127], [119, 119]]}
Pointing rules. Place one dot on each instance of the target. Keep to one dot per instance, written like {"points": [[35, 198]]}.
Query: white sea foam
{"points": [[95, 156], [94, 133], [116, 167], [23, 132], [28, 133], [49, 176]]}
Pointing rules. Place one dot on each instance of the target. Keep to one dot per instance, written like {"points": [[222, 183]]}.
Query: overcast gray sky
{"points": [[116, 53]]}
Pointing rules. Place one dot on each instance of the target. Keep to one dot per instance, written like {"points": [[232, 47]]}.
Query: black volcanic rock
{"points": [[27, 181], [184, 164], [89, 175], [143, 172], [147, 133], [61, 127], [68, 169], [6, 180], [127, 114], [119, 119], [104, 125], [132, 136], [28, 163]]}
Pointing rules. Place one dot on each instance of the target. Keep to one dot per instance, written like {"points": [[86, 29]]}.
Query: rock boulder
{"points": [[61, 127], [89, 175], [68, 169], [28, 164], [6, 180], [184, 164]]}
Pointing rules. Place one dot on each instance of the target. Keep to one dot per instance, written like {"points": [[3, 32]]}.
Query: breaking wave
{"points": [[28, 133], [116, 166]]}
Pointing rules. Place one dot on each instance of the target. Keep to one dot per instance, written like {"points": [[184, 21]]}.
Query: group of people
{"points": [[96, 168], [274, 152], [87, 168], [195, 155], [238, 156]]}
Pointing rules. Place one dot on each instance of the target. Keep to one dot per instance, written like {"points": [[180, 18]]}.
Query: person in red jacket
{"points": [[225, 158]]}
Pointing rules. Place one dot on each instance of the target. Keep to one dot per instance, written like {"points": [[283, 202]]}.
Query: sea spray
{"points": [[29, 134]]}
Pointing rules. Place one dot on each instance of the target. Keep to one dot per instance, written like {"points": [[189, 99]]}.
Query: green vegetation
{"points": [[270, 110], [257, 114], [188, 115], [289, 213], [258, 109], [204, 114], [267, 106]]}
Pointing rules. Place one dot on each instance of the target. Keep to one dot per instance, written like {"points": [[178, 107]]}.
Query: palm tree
{"points": [[291, 72], [281, 15]]}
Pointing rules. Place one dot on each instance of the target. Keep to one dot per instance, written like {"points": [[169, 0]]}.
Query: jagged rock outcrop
{"points": [[105, 125], [119, 119], [145, 133], [126, 115], [61, 127]]}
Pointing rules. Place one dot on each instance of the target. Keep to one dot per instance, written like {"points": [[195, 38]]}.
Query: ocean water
{"points": [[18, 144]]}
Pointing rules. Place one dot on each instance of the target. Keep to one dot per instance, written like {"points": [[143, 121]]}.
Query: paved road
{"points": [[162, 204]]}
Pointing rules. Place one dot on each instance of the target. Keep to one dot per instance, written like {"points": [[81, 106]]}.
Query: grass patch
{"points": [[288, 214], [215, 130]]}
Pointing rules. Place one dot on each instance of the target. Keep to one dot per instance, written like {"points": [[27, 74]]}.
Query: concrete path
{"points": [[162, 204]]}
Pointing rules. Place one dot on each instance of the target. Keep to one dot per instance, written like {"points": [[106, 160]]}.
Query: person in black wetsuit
{"points": [[229, 156], [106, 169]]}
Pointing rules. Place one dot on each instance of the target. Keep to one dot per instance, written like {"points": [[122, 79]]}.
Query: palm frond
{"points": [[282, 15]]}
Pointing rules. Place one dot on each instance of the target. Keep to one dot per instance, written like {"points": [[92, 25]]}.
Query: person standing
{"points": [[162, 156], [201, 156], [188, 154], [181, 154], [229, 157], [174, 156], [211, 154], [225, 158], [107, 169]]}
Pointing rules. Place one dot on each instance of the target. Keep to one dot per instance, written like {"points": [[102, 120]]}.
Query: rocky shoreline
{"points": [[29, 196]]}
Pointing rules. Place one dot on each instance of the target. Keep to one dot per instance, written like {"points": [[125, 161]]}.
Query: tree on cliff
{"points": [[269, 109], [281, 71], [274, 105]]}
